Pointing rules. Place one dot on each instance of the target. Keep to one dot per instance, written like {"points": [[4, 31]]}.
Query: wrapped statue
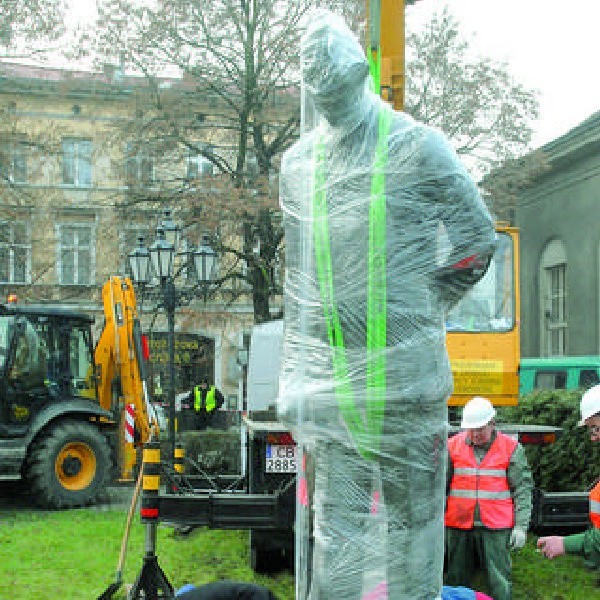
{"points": [[384, 232]]}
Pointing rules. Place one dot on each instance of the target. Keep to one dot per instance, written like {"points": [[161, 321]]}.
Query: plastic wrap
{"points": [[384, 231]]}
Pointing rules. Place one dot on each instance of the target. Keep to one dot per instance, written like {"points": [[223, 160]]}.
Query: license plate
{"points": [[281, 459]]}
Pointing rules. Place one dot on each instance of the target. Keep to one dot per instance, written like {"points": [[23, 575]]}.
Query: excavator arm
{"points": [[120, 358]]}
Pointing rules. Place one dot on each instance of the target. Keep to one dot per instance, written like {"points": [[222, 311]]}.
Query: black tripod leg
{"points": [[152, 583]]}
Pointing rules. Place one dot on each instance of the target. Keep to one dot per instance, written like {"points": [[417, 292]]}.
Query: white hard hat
{"points": [[590, 404], [477, 412]]}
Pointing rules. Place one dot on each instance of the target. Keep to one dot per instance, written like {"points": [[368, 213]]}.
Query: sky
{"points": [[548, 45]]}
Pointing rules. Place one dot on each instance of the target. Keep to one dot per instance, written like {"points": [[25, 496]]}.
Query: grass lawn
{"points": [[72, 555], [537, 578]]}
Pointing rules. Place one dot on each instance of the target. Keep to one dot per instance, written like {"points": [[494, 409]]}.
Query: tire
{"points": [[264, 560], [68, 466]]}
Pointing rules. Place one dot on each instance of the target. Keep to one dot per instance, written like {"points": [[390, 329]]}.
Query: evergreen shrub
{"points": [[573, 462]]}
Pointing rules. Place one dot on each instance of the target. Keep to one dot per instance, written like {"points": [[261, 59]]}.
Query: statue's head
{"points": [[334, 67]]}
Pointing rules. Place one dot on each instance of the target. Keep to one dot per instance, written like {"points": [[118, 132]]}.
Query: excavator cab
{"points": [[46, 356]]}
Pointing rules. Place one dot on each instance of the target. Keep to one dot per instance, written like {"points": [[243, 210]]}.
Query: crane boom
{"points": [[385, 47]]}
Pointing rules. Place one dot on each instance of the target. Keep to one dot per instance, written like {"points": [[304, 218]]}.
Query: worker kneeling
{"points": [[489, 500]]}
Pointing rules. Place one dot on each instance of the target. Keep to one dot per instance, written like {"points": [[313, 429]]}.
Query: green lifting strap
{"points": [[366, 435], [375, 70]]}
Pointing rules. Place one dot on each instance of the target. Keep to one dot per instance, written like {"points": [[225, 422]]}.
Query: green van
{"points": [[558, 373]]}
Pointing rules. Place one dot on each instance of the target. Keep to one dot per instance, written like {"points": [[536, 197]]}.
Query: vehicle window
{"points": [[29, 366], [489, 305], [4, 323], [588, 378], [551, 380], [81, 361]]}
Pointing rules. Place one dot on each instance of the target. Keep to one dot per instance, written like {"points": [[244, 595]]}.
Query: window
{"points": [[199, 166], [15, 252], [489, 304], [13, 162], [251, 166], [553, 294], [551, 380], [75, 258], [139, 165], [30, 363], [557, 313], [77, 162], [80, 360], [277, 273], [588, 378], [5, 324]]}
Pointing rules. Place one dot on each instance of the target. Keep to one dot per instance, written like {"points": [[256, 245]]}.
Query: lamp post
{"points": [[159, 262], [204, 263]]}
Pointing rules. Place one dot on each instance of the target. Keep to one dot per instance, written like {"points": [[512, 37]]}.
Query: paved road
{"points": [[14, 496]]}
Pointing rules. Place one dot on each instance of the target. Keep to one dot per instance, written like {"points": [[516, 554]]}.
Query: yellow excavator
{"points": [[72, 414]]}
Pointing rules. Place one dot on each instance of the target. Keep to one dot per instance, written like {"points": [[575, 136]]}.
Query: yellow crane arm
{"points": [[385, 47]]}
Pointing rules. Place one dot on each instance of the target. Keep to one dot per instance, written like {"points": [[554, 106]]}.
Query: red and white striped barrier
{"points": [[129, 422]]}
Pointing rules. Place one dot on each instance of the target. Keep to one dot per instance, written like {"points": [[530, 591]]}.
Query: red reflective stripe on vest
{"points": [[484, 484], [595, 505]]}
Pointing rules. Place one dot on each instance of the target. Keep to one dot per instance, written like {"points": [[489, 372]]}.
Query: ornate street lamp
{"points": [[158, 260], [171, 229], [205, 259], [162, 253], [139, 261]]}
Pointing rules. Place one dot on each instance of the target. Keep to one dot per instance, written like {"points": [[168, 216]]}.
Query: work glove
{"points": [[518, 537], [551, 546], [453, 281]]}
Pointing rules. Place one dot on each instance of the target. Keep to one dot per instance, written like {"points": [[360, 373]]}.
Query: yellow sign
{"points": [[472, 377], [186, 351], [20, 413]]}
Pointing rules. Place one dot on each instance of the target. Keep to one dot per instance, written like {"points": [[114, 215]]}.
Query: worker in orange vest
{"points": [[585, 544], [488, 506]]}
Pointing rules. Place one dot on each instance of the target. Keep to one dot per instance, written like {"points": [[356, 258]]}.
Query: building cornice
{"points": [[580, 142]]}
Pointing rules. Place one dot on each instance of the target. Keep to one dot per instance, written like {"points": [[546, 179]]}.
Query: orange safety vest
{"points": [[595, 505], [484, 484]]}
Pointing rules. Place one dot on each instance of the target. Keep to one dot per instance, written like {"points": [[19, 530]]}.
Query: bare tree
{"points": [[235, 106], [475, 101], [502, 185], [25, 29], [25, 25], [233, 102]]}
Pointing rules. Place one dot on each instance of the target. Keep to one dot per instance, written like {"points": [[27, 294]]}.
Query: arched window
{"points": [[553, 296]]}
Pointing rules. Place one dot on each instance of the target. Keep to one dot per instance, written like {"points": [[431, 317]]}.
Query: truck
{"points": [[71, 412], [261, 498], [558, 373], [483, 344]]}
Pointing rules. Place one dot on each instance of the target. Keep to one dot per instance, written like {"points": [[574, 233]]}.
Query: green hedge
{"points": [[573, 462], [216, 451]]}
